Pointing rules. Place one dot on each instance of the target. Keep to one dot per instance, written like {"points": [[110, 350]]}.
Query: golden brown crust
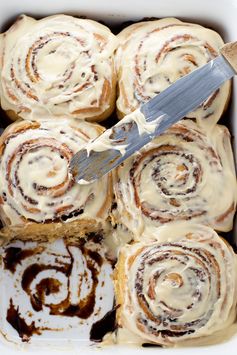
{"points": [[50, 231], [12, 115], [112, 100], [119, 279]]}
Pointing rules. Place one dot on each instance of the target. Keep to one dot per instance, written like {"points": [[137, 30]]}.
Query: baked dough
{"points": [[184, 174], [178, 288], [36, 183], [59, 65], [154, 54]]}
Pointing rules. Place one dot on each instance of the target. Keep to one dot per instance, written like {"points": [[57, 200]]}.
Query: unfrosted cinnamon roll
{"points": [[180, 287], [184, 174], [154, 54], [58, 65], [36, 184]]}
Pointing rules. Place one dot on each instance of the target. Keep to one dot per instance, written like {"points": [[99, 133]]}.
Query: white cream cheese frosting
{"points": [[179, 287], [154, 54], [106, 141], [36, 183], [57, 65], [184, 174]]}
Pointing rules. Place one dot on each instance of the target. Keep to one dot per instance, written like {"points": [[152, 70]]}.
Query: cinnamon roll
{"points": [[184, 174], [154, 54], [58, 65], [182, 286], [36, 184]]}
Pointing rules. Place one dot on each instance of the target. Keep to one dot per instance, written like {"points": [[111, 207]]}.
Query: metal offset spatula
{"points": [[153, 118]]}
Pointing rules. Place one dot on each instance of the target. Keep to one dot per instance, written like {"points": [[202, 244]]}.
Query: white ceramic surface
{"points": [[219, 14]]}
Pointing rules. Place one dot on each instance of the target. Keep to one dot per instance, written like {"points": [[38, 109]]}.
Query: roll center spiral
{"points": [[45, 167], [173, 280]]}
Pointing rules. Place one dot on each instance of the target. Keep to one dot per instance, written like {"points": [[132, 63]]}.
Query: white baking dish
{"points": [[218, 14]]}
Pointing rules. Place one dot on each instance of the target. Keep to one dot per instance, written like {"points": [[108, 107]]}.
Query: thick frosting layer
{"points": [[180, 287], [36, 184], [58, 65], [180, 175], [108, 140], [122, 137], [154, 54]]}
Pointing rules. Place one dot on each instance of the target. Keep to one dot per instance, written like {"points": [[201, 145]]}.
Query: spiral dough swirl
{"points": [[58, 65], [179, 176], [181, 287], [154, 54], [36, 184]]}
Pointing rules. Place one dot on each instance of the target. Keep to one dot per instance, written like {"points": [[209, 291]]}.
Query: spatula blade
{"points": [[119, 142]]}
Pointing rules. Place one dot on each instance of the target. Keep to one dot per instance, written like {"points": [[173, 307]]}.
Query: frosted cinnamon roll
{"points": [[154, 54], [58, 65], [184, 174], [183, 286], [36, 184]]}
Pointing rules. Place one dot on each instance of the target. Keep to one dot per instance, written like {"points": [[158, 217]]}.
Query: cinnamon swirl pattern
{"points": [[58, 65], [154, 54], [60, 288], [183, 174], [180, 287], [36, 184]]}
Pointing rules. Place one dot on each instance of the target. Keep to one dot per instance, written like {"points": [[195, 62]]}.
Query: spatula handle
{"points": [[229, 52]]}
